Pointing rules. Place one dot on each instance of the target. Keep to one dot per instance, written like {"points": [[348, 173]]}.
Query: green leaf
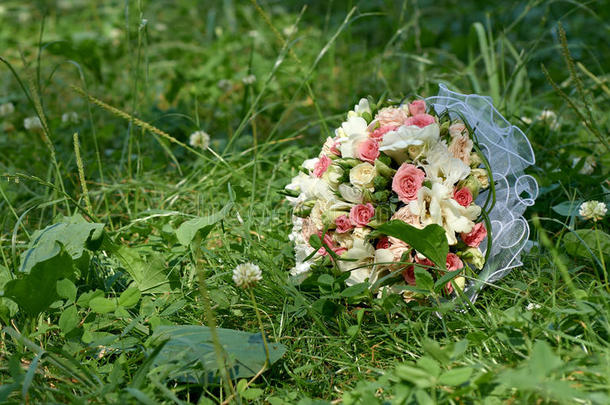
{"points": [[455, 376], [430, 241], [252, 394], [414, 375], [583, 242], [423, 279], [35, 291], [567, 208], [440, 283], [187, 231], [354, 290], [68, 320], [102, 305], [66, 289], [149, 273], [73, 234], [543, 360], [130, 297], [189, 352]]}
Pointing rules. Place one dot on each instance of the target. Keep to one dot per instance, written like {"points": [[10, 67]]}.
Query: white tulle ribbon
{"points": [[509, 152]]}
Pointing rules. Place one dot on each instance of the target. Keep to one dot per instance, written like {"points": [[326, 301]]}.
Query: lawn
{"points": [[120, 230]]}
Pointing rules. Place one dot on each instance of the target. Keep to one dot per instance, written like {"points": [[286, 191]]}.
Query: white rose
{"points": [[350, 194], [395, 143], [362, 175], [361, 108], [333, 175]]}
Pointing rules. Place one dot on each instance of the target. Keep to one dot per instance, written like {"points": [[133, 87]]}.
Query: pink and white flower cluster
{"points": [[398, 163]]}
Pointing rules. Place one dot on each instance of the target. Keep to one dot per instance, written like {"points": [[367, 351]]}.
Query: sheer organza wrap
{"points": [[509, 152]]}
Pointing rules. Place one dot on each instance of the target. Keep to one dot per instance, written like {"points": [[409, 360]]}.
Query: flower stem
{"points": [[601, 258], [260, 325]]}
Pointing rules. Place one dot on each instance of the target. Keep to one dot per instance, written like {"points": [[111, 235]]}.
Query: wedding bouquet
{"points": [[430, 188]]}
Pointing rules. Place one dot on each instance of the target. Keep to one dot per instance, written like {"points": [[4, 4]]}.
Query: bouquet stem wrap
{"points": [[509, 152]]}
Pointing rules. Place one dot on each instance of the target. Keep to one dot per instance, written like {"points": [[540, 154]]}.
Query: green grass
{"points": [[168, 63]]}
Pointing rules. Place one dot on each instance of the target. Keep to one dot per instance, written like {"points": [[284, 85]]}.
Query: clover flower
{"points": [[69, 118], [199, 139], [32, 124], [246, 275], [593, 210], [6, 109], [249, 79]]}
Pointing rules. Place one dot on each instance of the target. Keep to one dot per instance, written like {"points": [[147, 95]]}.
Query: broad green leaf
{"points": [[584, 243], [102, 305], [455, 376], [543, 360], [423, 279], [414, 375], [8, 308], [189, 352], [68, 320], [149, 273], [430, 241], [130, 297], [66, 289], [73, 234], [187, 231], [354, 290], [35, 291], [567, 208]]}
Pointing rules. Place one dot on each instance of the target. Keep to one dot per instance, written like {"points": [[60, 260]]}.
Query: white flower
{"points": [[362, 175], [199, 139], [332, 176], [443, 167], [435, 206], [249, 79], [395, 143], [310, 188], [301, 248], [290, 30], [350, 194], [360, 109], [32, 124], [224, 85], [354, 132], [362, 252], [69, 118], [247, 274], [6, 109], [594, 210], [533, 305], [550, 118]]}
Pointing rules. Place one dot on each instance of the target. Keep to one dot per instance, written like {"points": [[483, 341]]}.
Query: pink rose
{"points": [[361, 214], [381, 131], [417, 107], [476, 236], [368, 150], [383, 243], [453, 262], [328, 243], [407, 181], [343, 224], [391, 116], [420, 120], [321, 166], [460, 147], [463, 196]]}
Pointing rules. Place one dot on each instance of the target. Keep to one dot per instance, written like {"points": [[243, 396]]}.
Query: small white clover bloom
{"points": [[249, 79], [6, 109], [199, 139], [594, 210], [532, 305], [550, 117], [588, 167], [289, 31], [69, 118], [32, 124], [526, 120], [247, 274], [224, 85]]}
